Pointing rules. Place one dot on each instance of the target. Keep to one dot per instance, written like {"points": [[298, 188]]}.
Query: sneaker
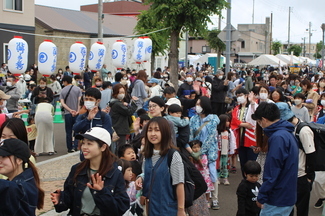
{"points": [[70, 151], [215, 205], [233, 169], [209, 204], [319, 203], [226, 182]]}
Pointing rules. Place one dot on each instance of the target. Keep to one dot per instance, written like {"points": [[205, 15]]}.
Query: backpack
{"points": [[319, 140], [194, 183]]}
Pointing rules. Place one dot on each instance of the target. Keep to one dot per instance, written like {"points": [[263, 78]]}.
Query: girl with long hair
{"points": [[95, 186]]}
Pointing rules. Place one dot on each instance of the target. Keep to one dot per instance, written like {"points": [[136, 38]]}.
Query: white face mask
{"points": [[322, 102], [263, 96], [2, 140], [4, 104], [297, 101], [89, 104], [198, 109], [244, 76], [58, 77], [42, 86], [9, 84], [120, 96], [220, 77], [241, 99], [189, 79]]}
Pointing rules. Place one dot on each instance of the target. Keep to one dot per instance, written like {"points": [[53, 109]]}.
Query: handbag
{"points": [[228, 100], [65, 98]]}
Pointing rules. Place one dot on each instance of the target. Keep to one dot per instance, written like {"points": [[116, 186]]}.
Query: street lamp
{"points": [[323, 28]]}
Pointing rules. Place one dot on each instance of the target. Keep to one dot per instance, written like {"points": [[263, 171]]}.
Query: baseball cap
{"points": [[173, 101], [96, 133], [16, 148], [153, 80], [4, 96], [285, 111]]}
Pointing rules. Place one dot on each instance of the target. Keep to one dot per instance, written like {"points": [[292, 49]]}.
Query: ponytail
{"points": [[41, 194]]}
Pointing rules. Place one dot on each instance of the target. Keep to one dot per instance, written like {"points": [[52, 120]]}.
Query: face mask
{"points": [[42, 86], [189, 79], [198, 109], [58, 77], [322, 102], [166, 79], [9, 84], [241, 99], [3, 104], [263, 96], [98, 84], [125, 78], [2, 140], [244, 76], [322, 84], [297, 101], [292, 82], [120, 96], [89, 104], [220, 77]]}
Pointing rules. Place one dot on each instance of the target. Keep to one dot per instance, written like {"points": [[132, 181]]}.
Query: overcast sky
{"points": [[302, 13]]}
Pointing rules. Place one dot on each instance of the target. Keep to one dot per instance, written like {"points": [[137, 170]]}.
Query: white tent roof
{"points": [[287, 59], [267, 60]]}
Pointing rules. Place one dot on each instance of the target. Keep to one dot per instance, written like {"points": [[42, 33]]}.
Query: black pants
{"points": [[303, 196], [245, 154], [218, 108]]}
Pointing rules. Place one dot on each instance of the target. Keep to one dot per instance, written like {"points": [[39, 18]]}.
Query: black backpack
{"points": [[319, 140], [194, 183]]}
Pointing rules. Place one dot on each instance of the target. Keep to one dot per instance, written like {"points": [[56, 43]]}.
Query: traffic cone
{"points": [[24, 117], [58, 115]]}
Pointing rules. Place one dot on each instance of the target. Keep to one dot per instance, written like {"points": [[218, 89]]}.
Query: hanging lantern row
{"points": [[47, 55]]}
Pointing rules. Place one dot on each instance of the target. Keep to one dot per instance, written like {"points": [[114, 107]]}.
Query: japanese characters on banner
{"points": [[77, 57], [17, 55], [148, 48], [119, 50], [47, 57], [139, 50], [96, 56]]}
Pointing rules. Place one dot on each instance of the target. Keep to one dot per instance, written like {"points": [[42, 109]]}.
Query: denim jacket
{"points": [[19, 196], [112, 200]]}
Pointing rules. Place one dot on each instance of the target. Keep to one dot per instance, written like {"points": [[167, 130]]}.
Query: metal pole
{"points": [[323, 28], [100, 20], [304, 47], [253, 11], [228, 38], [289, 30], [219, 52], [186, 49], [309, 56], [271, 33]]}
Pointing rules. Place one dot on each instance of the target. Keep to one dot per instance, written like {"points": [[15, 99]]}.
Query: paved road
{"points": [[53, 169]]}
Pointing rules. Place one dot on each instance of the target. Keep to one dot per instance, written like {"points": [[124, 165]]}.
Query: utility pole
{"points": [[310, 34], [304, 48], [219, 51], [100, 20], [323, 28], [228, 38], [186, 49], [271, 33], [289, 29], [253, 11]]}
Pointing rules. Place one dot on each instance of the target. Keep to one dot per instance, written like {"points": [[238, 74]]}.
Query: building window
{"points": [[5, 53], [206, 49], [243, 44], [14, 5]]}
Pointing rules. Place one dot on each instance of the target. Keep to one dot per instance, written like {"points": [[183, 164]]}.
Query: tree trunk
{"points": [[152, 63], [173, 58]]}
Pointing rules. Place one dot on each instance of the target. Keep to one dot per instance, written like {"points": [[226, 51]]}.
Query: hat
{"points": [[173, 101], [153, 80], [16, 148], [285, 111], [4, 96], [96, 133]]}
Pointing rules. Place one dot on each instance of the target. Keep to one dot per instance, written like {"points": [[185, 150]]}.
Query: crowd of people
{"points": [[138, 137]]}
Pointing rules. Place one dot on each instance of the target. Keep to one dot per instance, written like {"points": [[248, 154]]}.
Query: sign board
{"points": [[235, 35]]}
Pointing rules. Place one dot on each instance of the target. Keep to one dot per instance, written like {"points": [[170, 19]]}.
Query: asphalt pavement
{"points": [[56, 167]]}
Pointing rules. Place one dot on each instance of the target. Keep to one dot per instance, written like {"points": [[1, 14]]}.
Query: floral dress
{"points": [[205, 172]]}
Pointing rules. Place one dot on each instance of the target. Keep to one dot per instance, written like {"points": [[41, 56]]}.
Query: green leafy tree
{"points": [[276, 46], [159, 39], [296, 49], [214, 42], [182, 15], [319, 47]]}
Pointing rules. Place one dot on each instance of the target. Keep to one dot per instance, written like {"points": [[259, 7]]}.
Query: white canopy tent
{"points": [[266, 59], [288, 58]]}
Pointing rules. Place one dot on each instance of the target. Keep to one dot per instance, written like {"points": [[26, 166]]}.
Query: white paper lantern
{"points": [[139, 50], [96, 56], [119, 50], [77, 57], [47, 55], [148, 48], [17, 55]]}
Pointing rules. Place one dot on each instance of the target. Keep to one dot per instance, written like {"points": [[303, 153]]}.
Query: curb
{"points": [[57, 158]]}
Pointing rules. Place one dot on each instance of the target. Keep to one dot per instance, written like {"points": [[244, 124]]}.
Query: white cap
{"points": [[173, 101], [96, 133]]}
